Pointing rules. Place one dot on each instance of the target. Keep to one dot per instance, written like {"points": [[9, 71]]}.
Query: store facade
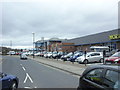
{"points": [[109, 38]]}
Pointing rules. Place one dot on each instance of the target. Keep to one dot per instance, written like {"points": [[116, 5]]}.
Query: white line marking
{"points": [[35, 87], [28, 77], [28, 87], [23, 68], [21, 64]]}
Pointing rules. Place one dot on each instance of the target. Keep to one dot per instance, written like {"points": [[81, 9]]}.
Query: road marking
{"points": [[35, 87], [28, 77], [28, 87], [23, 68]]}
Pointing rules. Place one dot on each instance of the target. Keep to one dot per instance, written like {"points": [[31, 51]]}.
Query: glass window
{"points": [[112, 79], [95, 76], [97, 54]]}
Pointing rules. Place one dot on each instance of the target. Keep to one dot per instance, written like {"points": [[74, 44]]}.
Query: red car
{"points": [[115, 58]]}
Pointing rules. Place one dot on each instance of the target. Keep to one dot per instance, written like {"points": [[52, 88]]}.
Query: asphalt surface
{"points": [[32, 74]]}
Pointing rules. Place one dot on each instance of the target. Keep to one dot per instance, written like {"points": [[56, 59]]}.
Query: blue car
{"points": [[72, 58], [8, 82]]}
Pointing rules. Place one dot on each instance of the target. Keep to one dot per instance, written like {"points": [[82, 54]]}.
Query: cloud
{"points": [[60, 18]]}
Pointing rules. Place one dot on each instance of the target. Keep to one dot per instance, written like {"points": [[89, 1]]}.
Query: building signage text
{"points": [[116, 36]]}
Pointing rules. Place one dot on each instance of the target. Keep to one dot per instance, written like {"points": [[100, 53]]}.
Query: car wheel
{"points": [[101, 60], [85, 61], [14, 86]]}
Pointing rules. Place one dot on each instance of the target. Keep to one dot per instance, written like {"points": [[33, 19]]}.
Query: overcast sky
{"points": [[55, 18]]}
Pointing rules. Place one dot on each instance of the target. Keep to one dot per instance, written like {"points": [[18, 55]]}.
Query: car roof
{"points": [[105, 66]]}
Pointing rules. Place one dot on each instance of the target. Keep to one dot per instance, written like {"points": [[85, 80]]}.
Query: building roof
{"points": [[94, 38]]}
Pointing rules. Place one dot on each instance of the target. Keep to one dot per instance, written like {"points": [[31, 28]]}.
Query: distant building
{"points": [[47, 45], [109, 38]]}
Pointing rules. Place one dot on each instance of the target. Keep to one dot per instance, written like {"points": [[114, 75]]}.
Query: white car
{"points": [[23, 56], [90, 57], [49, 55], [37, 54]]}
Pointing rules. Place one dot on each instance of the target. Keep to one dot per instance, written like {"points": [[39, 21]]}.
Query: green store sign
{"points": [[116, 36]]}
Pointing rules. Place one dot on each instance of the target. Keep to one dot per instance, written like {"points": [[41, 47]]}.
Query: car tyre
{"points": [[101, 60], [14, 86], [85, 61]]}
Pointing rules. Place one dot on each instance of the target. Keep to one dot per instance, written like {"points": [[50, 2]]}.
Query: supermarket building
{"points": [[109, 38]]}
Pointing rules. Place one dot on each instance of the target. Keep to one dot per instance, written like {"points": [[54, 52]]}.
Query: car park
{"points": [[90, 57], [23, 56], [100, 77], [8, 82], [115, 58]]}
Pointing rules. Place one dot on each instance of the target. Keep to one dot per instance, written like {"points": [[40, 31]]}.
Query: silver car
{"points": [[23, 56], [91, 57]]}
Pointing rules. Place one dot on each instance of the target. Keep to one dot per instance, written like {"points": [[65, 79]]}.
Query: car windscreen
{"points": [[116, 54]]}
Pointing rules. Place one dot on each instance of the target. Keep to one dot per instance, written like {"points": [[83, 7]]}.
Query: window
{"points": [[95, 76], [95, 54], [112, 79]]}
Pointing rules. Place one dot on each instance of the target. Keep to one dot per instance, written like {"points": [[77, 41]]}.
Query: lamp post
{"points": [[33, 42]]}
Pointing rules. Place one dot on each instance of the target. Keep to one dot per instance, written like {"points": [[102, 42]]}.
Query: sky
{"points": [[65, 19]]}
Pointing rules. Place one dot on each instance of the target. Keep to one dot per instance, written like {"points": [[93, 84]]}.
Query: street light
{"points": [[33, 42]]}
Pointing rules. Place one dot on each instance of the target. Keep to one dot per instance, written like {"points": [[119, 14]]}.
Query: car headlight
{"points": [[117, 59]]}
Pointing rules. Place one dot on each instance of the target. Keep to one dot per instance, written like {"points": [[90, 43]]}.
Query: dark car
{"points": [[100, 77], [75, 56], [8, 82]]}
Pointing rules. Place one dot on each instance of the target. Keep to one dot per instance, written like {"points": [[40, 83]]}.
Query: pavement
{"points": [[74, 68]]}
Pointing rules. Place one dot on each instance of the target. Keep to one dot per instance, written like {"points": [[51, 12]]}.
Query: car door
{"points": [[92, 79], [112, 80], [94, 57], [5, 81], [97, 57], [91, 57]]}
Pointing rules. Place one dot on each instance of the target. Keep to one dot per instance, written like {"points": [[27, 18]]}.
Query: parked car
{"points": [[49, 54], [23, 56], [45, 54], [115, 58], [75, 56], [42, 54], [8, 82], [54, 54], [57, 55], [11, 53], [37, 54], [66, 57], [100, 77], [90, 57]]}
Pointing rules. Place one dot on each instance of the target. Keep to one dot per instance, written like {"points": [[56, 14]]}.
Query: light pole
{"points": [[33, 42]]}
